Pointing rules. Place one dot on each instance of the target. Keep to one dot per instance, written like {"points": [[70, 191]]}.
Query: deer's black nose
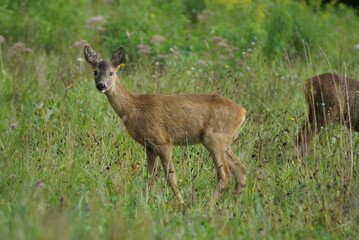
{"points": [[100, 86]]}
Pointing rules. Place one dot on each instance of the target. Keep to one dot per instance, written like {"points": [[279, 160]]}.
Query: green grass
{"points": [[69, 170]]}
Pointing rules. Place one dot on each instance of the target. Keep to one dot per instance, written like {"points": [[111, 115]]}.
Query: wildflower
{"points": [[27, 50], [157, 39], [163, 56], [225, 66], [13, 125], [19, 45], [292, 119], [309, 227], [122, 65], [218, 39], [222, 44], [203, 63], [144, 50], [176, 53], [2, 39], [101, 29], [41, 184], [80, 43], [17, 48], [205, 12], [96, 19], [356, 46], [201, 17], [81, 60], [180, 180], [253, 43], [141, 46]]}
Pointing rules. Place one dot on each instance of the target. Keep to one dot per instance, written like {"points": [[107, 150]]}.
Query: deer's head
{"points": [[104, 70]]}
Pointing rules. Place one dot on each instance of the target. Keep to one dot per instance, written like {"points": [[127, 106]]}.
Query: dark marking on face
{"points": [[104, 65]]}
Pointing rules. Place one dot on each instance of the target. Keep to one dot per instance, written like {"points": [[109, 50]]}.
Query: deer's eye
{"points": [[111, 73], [95, 73]]}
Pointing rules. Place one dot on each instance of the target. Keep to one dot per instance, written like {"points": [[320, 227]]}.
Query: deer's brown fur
{"points": [[160, 121], [331, 98]]}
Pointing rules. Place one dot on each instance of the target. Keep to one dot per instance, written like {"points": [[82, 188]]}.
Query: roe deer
{"points": [[331, 98], [160, 121]]}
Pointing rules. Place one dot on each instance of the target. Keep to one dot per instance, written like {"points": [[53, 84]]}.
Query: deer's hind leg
{"points": [[215, 145], [238, 170]]}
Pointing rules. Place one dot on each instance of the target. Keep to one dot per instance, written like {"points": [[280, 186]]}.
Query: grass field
{"points": [[69, 170]]}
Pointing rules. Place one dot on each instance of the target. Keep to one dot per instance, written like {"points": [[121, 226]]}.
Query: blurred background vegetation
{"points": [[280, 25], [69, 170]]}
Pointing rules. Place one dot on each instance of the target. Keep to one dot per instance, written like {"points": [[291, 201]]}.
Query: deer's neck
{"points": [[121, 100]]}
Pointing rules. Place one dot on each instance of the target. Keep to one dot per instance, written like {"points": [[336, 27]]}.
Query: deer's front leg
{"points": [[152, 167], [165, 153]]}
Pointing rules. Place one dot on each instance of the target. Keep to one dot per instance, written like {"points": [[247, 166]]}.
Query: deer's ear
{"points": [[118, 57], [90, 55]]}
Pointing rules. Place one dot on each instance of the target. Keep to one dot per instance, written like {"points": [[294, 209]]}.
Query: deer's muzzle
{"points": [[101, 87]]}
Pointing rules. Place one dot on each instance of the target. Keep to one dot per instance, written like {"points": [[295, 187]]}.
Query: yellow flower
{"points": [[292, 119], [310, 227], [259, 13], [122, 64], [180, 180], [225, 66]]}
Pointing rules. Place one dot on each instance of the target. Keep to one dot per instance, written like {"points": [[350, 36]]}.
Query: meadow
{"points": [[69, 170]]}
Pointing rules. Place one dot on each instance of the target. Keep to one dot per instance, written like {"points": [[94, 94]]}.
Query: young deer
{"points": [[331, 98], [160, 121]]}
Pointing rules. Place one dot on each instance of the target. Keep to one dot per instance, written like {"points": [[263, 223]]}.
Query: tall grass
{"points": [[69, 170]]}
